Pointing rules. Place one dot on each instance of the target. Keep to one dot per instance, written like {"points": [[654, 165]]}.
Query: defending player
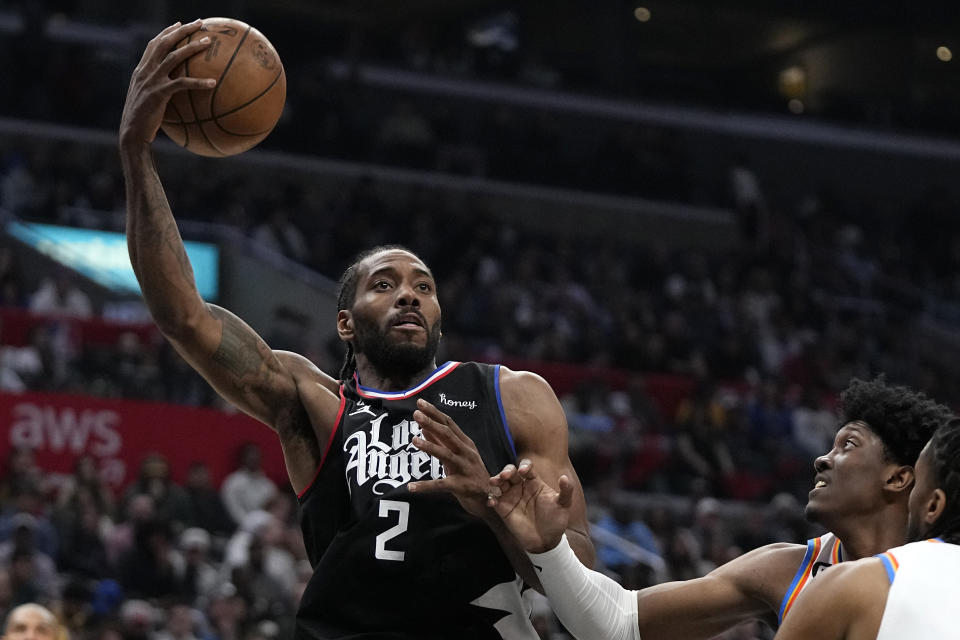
{"points": [[909, 591], [378, 550], [861, 491]]}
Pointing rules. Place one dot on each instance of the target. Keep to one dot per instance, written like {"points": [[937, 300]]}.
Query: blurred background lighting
{"points": [[793, 82]]}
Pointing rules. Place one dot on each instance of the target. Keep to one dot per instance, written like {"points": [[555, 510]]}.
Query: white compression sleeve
{"points": [[589, 604]]}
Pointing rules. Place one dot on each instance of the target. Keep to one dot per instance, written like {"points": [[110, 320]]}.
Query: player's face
{"points": [[850, 477], [920, 496], [396, 314]]}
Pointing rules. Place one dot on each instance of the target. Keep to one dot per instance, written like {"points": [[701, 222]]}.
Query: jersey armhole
{"points": [[503, 415], [323, 458], [890, 565], [799, 579]]}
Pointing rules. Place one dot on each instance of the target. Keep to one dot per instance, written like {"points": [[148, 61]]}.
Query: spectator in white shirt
{"points": [[59, 295], [247, 489]]}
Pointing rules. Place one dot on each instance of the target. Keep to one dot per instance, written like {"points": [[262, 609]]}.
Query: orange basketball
{"points": [[245, 104]]}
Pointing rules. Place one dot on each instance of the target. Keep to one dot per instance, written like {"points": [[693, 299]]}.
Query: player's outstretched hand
{"points": [[151, 85], [467, 477], [535, 513]]}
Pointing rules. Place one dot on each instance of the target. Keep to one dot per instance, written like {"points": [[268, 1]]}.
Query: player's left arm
{"points": [[845, 603], [539, 429]]}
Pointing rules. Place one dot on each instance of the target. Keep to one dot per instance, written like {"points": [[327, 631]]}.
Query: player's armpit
{"points": [[305, 430], [539, 429]]}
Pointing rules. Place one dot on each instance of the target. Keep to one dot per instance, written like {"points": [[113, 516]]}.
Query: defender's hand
{"points": [[534, 512], [151, 85], [467, 477]]}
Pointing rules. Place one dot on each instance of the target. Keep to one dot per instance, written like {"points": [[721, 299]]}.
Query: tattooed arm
{"points": [[282, 390]]}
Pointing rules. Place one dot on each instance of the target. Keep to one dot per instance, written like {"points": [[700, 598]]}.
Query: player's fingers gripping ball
{"points": [[245, 104]]}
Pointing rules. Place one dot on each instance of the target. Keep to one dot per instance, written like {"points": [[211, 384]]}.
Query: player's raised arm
{"points": [[227, 352]]}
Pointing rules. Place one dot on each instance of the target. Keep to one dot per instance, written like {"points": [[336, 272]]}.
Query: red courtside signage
{"points": [[118, 434]]}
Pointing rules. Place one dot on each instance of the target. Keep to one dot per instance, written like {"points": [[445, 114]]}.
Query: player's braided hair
{"points": [[347, 293], [945, 460], [904, 419]]}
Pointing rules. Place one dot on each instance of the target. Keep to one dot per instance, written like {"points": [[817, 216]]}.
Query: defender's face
{"points": [[850, 477]]}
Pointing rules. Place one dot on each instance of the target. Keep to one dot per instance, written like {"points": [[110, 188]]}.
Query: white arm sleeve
{"points": [[589, 604]]}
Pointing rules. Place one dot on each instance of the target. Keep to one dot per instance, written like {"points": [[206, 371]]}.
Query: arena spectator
{"points": [[60, 295], [120, 538], [278, 233], [814, 424], [622, 520], [33, 572], [200, 577], [21, 472], [26, 514], [31, 621], [203, 505], [179, 625], [169, 499], [82, 486], [148, 569], [82, 550], [137, 618], [247, 489]]}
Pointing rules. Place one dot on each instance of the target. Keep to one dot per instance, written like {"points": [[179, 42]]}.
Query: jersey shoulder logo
{"points": [[362, 407]]}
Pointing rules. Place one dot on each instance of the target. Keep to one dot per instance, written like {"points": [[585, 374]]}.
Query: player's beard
{"points": [[394, 359]]}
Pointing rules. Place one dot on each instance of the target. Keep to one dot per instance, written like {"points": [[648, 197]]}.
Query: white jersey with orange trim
{"points": [[924, 590], [822, 553]]}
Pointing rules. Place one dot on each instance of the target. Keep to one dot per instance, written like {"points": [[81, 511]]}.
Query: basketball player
{"points": [[379, 551], [861, 490], [31, 622], [909, 591]]}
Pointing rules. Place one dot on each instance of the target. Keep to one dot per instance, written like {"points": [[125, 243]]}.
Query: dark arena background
{"points": [[697, 220]]}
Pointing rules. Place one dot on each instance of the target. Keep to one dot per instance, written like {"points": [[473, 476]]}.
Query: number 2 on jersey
{"points": [[386, 506]]}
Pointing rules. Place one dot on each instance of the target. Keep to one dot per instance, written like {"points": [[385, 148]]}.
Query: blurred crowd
{"points": [[160, 560], [809, 297], [88, 49], [328, 109]]}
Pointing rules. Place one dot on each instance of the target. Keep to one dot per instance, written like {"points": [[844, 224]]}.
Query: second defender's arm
{"points": [[749, 587]]}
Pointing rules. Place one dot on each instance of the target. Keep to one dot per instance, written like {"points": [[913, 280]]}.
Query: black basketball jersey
{"points": [[393, 564]]}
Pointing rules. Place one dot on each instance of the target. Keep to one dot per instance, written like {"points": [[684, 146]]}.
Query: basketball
{"points": [[244, 106]]}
